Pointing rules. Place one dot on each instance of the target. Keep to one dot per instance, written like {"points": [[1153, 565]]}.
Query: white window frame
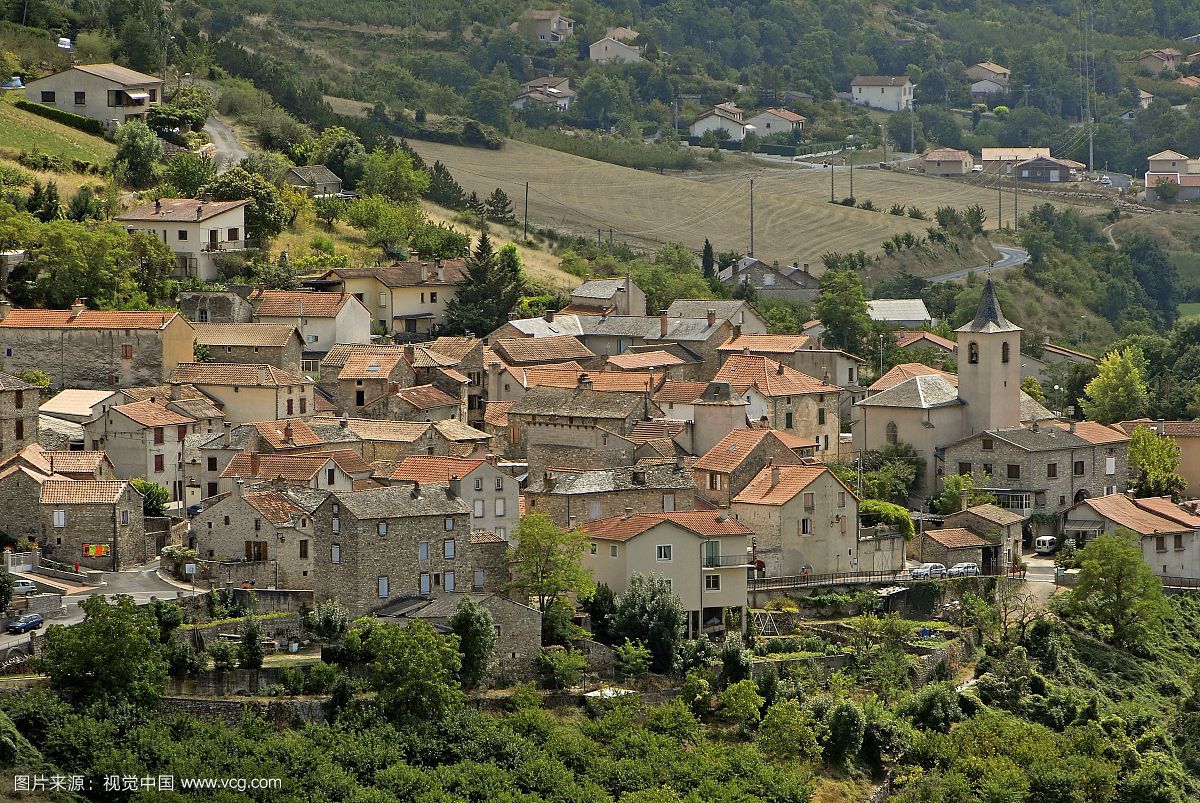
{"points": [[479, 483], [478, 509], [663, 552], [612, 550], [712, 582], [381, 528], [806, 526], [60, 518], [449, 524]]}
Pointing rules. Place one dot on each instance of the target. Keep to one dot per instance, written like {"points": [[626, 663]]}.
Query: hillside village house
{"points": [[98, 523], [106, 92], [742, 314], [493, 496], [418, 403], [405, 297], [94, 349], [1169, 535], [549, 90], [78, 405], [1047, 170], [332, 470], [609, 50], [275, 344], [908, 312], [617, 296], [197, 232], [775, 121], [702, 555], [801, 353], [324, 319], [1166, 59], [570, 496], [947, 162], [546, 27], [1005, 529], [723, 117], [785, 399], [887, 92], [395, 440], [18, 413], [987, 69], [248, 393], [1186, 435], [987, 89], [1004, 158], [315, 181], [793, 282], [1173, 166], [725, 470]]}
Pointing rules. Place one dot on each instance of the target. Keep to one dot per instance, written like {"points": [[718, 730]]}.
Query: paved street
{"points": [[1010, 257], [229, 150]]}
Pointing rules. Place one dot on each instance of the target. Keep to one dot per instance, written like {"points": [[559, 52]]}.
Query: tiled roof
{"points": [[294, 466], [1095, 433], [996, 514], [296, 304], [605, 289], [921, 392], [945, 155], [676, 392], [485, 537], [1121, 510], [118, 74], [195, 408], [552, 376], [74, 401], [705, 523], [10, 382], [541, 349], [178, 210], [906, 371], [664, 476], [369, 366], [897, 309], [314, 174], [631, 361], [989, 318], [82, 492], [1069, 353], [426, 468], [163, 393], [372, 430], [408, 274], [495, 413], [152, 414], [232, 373], [543, 401], [450, 373], [657, 428], [244, 334], [86, 319], [904, 339], [75, 462], [793, 441], [786, 114], [767, 344], [1163, 506], [454, 430], [732, 450], [427, 397], [792, 480], [1182, 429], [879, 80], [401, 501], [287, 433], [771, 378], [1042, 439], [727, 309], [956, 538], [456, 348], [338, 353], [276, 507]]}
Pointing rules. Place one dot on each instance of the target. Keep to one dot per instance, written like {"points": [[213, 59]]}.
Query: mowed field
{"points": [[20, 130], [793, 218]]}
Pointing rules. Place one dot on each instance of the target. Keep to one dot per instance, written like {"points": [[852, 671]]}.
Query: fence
{"points": [[1169, 581], [847, 578]]}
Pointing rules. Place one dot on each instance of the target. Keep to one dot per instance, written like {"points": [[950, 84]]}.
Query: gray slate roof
{"points": [[898, 309], [577, 401], [989, 319], [397, 501], [1043, 439], [922, 392], [599, 288], [663, 477], [314, 174], [646, 327], [726, 309]]}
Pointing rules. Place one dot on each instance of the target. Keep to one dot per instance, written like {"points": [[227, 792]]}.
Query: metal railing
{"points": [[850, 578], [1170, 581], [726, 561]]}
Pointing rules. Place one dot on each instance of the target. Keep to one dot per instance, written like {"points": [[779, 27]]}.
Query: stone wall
{"points": [[12, 418], [577, 509], [219, 307], [99, 523], [280, 712], [87, 358], [221, 532]]}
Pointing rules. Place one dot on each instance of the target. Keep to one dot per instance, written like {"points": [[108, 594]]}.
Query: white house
{"points": [[722, 117], [772, 121], [891, 93], [549, 90], [608, 50], [324, 319], [196, 231], [106, 92]]}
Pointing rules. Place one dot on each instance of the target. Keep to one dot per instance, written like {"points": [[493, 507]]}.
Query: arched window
{"points": [[891, 433], [1004, 352], [973, 353]]}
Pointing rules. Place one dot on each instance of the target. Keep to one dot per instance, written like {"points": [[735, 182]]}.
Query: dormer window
{"points": [[973, 353]]}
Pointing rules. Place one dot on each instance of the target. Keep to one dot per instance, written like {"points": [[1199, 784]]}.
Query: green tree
{"points": [[1118, 393], [266, 214], [329, 209], [956, 488], [560, 668], [499, 208], [650, 612], [138, 153], [1033, 389], [223, 653], [842, 308], [415, 670], [708, 261], [547, 561], [443, 189], [489, 103], [328, 621], [847, 725], [788, 732], [341, 151], [113, 654], [84, 206], [187, 173], [1154, 460], [476, 632], [1118, 588], [6, 588], [601, 606], [154, 496], [741, 705], [392, 175], [632, 658], [251, 652], [495, 283]]}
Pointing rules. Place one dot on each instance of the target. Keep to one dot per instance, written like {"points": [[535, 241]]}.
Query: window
{"points": [[841, 498], [449, 581], [180, 433], [335, 553], [381, 528], [1051, 471], [449, 524], [303, 549], [433, 298], [60, 518], [805, 526], [422, 298], [712, 582], [80, 98], [820, 415], [1004, 348], [182, 235], [158, 435], [1178, 541], [1039, 498], [303, 405], [48, 97], [479, 483], [612, 550], [202, 316], [478, 513], [502, 532], [591, 549], [153, 93], [662, 553], [787, 420], [383, 587], [499, 483], [987, 469], [290, 407], [19, 429], [714, 481], [424, 583], [226, 521], [593, 510], [337, 524], [478, 581], [973, 353], [448, 549], [1014, 471], [423, 551], [1078, 469], [500, 507], [258, 525], [964, 468], [124, 516], [158, 462], [810, 501], [987, 444], [1160, 543], [1110, 465], [892, 435], [668, 503]]}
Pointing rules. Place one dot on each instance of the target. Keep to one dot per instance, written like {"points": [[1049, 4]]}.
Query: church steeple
{"points": [[989, 318], [989, 366]]}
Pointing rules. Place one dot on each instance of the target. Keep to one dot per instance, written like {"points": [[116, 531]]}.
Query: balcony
{"points": [[726, 561]]}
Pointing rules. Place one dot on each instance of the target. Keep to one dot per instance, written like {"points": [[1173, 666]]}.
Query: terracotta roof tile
{"points": [[82, 492], [655, 428], [1094, 432], [427, 397], [87, 319], [956, 538], [771, 378], [276, 507], [633, 361], [295, 304], [705, 523], [294, 466], [732, 450], [792, 480], [1124, 512], [554, 377], [232, 373], [408, 274], [906, 338], [454, 347], [425, 468], [288, 433], [163, 393], [996, 514], [767, 344], [179, 210], [1181, 429], [676, 392], [75, 462], [369, 366], [152, 414], [458, 377], [906, 371], [244, 334], [495, 413], [338, 353], [1163, 506], [526, 350]]}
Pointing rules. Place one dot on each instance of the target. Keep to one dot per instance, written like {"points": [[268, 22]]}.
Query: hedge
{"points": [[85, 124]]}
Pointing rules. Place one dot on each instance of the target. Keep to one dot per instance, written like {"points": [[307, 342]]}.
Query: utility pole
{"points": [[526, 234], [912, 128], [851, 176], [610, 239], [751, 217], [597, 238], [831, 168], [166, 43], [999, 200], [883, 141], [1016, 215]]}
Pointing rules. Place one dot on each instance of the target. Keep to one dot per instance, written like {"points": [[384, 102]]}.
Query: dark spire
{"points": [[989, 318]]}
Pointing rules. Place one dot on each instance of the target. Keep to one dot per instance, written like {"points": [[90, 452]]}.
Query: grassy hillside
{"points": [[20, 130]]}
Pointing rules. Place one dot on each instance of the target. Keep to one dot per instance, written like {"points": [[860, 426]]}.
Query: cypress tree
{"points": [[708, 260]]}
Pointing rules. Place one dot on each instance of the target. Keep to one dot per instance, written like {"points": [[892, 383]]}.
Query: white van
{"points": [[1045, 544]]}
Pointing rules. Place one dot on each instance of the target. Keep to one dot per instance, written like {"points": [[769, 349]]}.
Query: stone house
{"points": [[609, 50], [1161, 60], [1168, 534], [217, 306], [717, 412], [804, 520], [524, 351], [365, 377], [802, 353], [493, 496], [724, 471], [247, 393], [18, 413], [997, 525], [421, 403], [94, 349], [79, 406], [109, 92], [792, 282], [513, 382], [316, 181], [987, 69], [275, 344], [395, 440], [268, 529], [467, 356], [702, 554], [787, 399], [495, 424], [572, 496], [98, 523], [740, 314], [197, 232], [677, 398], [324, 319], [374, 547], [616, 296], [333, 470], [952, 545], [404, 298]]}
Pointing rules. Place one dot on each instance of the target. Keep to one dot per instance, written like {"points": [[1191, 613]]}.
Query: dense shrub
{"points": [[78, 121]]}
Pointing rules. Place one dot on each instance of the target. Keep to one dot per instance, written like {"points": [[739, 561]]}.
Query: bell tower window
{"points": [[1004, 352], [973, 353]]}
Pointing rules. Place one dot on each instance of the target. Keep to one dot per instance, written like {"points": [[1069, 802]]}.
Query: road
{"points": [[229, 150], [142, 583], [1010, 257]]}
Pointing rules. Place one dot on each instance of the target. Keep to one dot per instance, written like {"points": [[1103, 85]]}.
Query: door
{"points": [[1053, 176], [410, 325]]}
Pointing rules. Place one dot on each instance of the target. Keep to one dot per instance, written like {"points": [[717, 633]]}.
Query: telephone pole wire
{"points": [[751, 217]]}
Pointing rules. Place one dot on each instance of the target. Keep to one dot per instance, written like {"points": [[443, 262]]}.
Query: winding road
{"points": [[229, 151], [1010, 257]]}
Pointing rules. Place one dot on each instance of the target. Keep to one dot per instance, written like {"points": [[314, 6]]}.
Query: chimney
{"points": [[805, 268], [548, 481], [774, 476], [455, 486], [491, 459], [287, 433], [409, 353], [737, 330], [5, 308], [344, 422], [512, 316], [424, 271], [1072, 427], [964, 502], [628, 513], [662, 323], [262, 374], [549, 316], [679, 463], [254, 464], [711, 314], [228, 434], [199, 211], [239, 489], [416, 490], [158, 206], [77, 307], [441, 271], [585, 381]]}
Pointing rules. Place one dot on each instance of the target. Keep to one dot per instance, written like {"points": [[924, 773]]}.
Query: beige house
{"points": [[891, 93], [775, 121], [1168, 534], [570, 496], [405, 297], [324, 319], [1186, 435], [785, 399], [609, 50], [985, 70], [276, 344], [703, 555], [549, 90], [247, 393], [197, 232], [722, 117], [947, 162], [1159, 61], [109, 93], [547, 27]]}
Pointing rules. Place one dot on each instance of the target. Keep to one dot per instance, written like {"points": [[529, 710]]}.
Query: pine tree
{"points": [[51, 208], [443, 189], [499, 208], [476, 206], [708, 261], [493, 287]]}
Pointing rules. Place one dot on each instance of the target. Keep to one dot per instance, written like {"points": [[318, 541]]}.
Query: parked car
{"points": [[976, 168], [194, 510], [929, 571], [23, 587], [30, 621], [1045, 545], [885, 165], [1105, 181], [964, 570]]}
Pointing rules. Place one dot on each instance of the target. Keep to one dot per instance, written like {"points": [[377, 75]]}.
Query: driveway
{"points": [[1010, 257], [229, 151]]}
